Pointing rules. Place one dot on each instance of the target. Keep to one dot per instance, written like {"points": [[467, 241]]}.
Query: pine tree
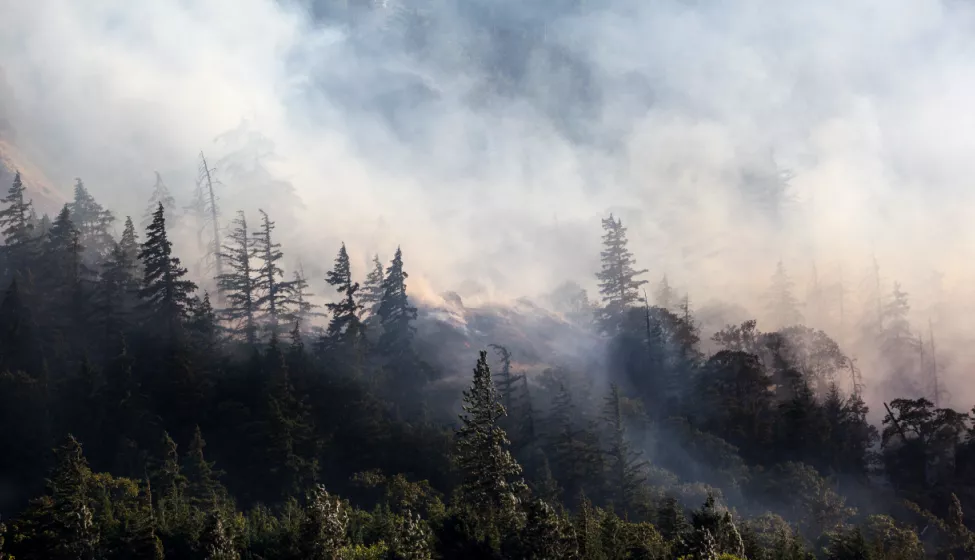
{"points": [[66, 279], [203, 322], [345, 327], [372, 289], [782, 305], [160, 195], [237, 284], [17, 228], [299, 308], [164, 292], [506, 381], [170, 481], [323, 528], [395, 312], [76, 534], [897, 345], [129, 243], [203, 490], [116, 291], [617, 279], [273, 292], [140, 541], [289, 435], [93, 222], [625, 468], [672, 522], [575, 453], [411, 540], [664, 296], [216, 543], [545, 536], [491, 475]]}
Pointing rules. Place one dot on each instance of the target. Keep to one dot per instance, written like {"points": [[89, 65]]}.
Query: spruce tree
{"points": [[238, 285], [492, 482], [17, 228], [411, 539], [507, 381], [160, 195], [216, 543], [129, 243], [372, 289], [625, 468], [289, 434], [272, 290], [322, 531], [298, 305], [203, 489], [66, 278], [75, 533], [617, 279], [116, 291], [346, 326], [164, 292], [664, 296], [93, 222], [203, 322], [170, 481], [395, 312]]}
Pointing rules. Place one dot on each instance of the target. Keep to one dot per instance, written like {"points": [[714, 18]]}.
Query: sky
{"points": [[488, 138]]}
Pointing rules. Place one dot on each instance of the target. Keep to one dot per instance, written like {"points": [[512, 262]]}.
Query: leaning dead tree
{"points": [[208, 216]]}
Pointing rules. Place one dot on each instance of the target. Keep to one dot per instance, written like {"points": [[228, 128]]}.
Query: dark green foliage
{"points": [[109, 343], [491, 475], [203, 490], [165, 292], [625, 474], [345, 328], [396, 315]]}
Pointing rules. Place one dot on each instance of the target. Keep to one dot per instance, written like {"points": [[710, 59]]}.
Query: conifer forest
{"points": [[487, 280], [145, 417]]}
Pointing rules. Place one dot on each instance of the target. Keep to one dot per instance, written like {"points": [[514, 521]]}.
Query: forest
{"points": [[143, 417]]}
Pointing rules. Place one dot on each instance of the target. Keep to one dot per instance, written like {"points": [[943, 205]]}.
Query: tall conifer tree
{"points": [[165, 292], [395, 312], [345, 325], [492, 483], [160, 195], [372, 289], [272, 290], [17, 228], [237, 284], [93, 222], [617, 279]]}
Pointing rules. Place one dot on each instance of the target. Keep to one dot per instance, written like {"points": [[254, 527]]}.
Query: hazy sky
{"points": [[488, 137]]}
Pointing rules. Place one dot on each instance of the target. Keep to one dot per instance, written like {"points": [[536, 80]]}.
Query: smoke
{"points": [[488, 137]]}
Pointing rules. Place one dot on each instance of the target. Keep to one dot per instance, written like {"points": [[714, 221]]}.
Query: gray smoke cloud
{"points": [[488, 137]]}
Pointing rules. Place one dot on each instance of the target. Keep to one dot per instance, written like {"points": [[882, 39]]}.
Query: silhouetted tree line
{"points": [[142, 418]]}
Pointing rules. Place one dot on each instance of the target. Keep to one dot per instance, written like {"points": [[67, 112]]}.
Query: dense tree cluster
{"points": [[142, 418]]}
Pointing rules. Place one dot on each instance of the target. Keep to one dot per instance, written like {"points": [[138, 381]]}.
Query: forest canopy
{"points": [[144, 417]]}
